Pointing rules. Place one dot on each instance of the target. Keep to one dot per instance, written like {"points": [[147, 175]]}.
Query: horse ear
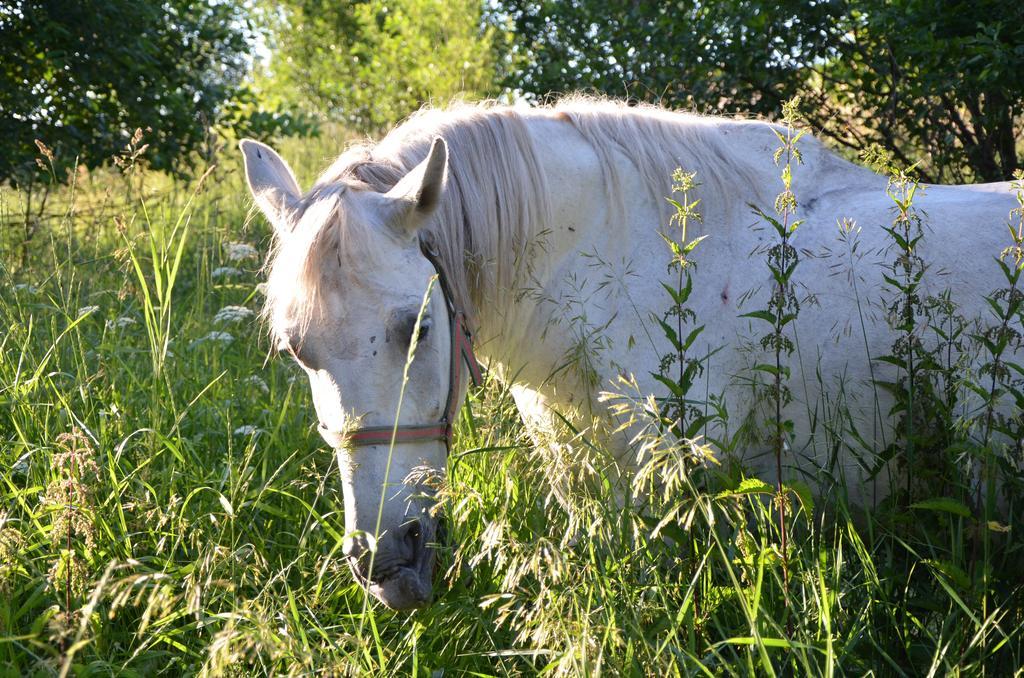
{"points": [[272, 184], [418, 193]]}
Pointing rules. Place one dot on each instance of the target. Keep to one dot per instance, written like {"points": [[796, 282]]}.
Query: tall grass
{"points": [[209, 539]]}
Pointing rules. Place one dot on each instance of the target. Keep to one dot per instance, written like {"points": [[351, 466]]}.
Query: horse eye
{"points": [[403, 328]]}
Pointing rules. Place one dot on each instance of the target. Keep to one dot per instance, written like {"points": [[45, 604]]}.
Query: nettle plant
{"points": [[957, 401], [903, 277], [780, 313], [679, 418], [783, 306], [1000, 383], [678, 368], [931, 353]]}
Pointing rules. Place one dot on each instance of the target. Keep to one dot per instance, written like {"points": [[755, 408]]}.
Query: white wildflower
{"points": [[225, 272], [86, 310], [26, 287], [255, 380], [240, 251], [120, 323], [219, 337], [232, 314], [247, 430]]}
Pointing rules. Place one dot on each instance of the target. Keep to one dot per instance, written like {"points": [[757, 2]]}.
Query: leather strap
{"points": [[461, 353]]}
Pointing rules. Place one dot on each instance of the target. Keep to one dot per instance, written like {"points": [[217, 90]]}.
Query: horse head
{"points": [[346, 299]]}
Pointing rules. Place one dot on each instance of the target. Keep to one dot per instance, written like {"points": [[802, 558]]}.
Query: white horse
{"points": [[546, 227]]}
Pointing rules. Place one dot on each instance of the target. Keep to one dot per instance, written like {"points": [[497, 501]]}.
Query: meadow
{"points": [[167, 507]]}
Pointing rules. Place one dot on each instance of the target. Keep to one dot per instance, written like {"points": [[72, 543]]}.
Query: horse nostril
{"points": [[412, 538]]}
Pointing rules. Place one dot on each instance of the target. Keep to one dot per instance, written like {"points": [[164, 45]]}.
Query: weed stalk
{"points": [[681, 417], [1000, 341], [904, 277], [783, 306]]}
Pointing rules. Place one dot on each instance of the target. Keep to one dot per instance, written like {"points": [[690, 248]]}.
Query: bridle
{"points": [[462, 351]]}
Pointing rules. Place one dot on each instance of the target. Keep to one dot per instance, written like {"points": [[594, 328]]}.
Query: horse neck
{"points": [[510, 322], [595, 196]]}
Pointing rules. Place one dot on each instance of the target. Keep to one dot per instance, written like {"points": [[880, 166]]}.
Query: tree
{"points": [[930, 79], [370, 63], [82, 75], [934, 80]]}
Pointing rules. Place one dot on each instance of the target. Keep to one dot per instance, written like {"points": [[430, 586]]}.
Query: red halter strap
{"points": [[461, 353]]}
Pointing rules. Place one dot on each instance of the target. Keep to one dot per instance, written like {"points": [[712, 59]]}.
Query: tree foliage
{"points": [[934, 80], [82, 75], [372, 62]]}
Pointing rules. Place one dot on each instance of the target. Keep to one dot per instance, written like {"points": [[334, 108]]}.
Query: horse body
{"points": [[603, 267], [549, 222]]}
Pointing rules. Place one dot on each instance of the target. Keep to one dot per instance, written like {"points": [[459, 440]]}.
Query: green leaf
{"points": [[674, 388], [803, 493], [691, 337], [677, 297], [955, 573], [771, 369], [767, 316], [747, 486], [689, 247], [946, 504], [670, 333], [900, 240]]}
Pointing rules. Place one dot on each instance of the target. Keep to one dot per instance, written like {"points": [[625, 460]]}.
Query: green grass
{"points": [[208, 538]]}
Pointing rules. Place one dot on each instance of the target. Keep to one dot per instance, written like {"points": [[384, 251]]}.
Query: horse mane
{"points": [[496, 204]]}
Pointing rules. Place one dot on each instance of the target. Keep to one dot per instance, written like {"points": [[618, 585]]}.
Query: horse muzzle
{"points": [[399, 571]]}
